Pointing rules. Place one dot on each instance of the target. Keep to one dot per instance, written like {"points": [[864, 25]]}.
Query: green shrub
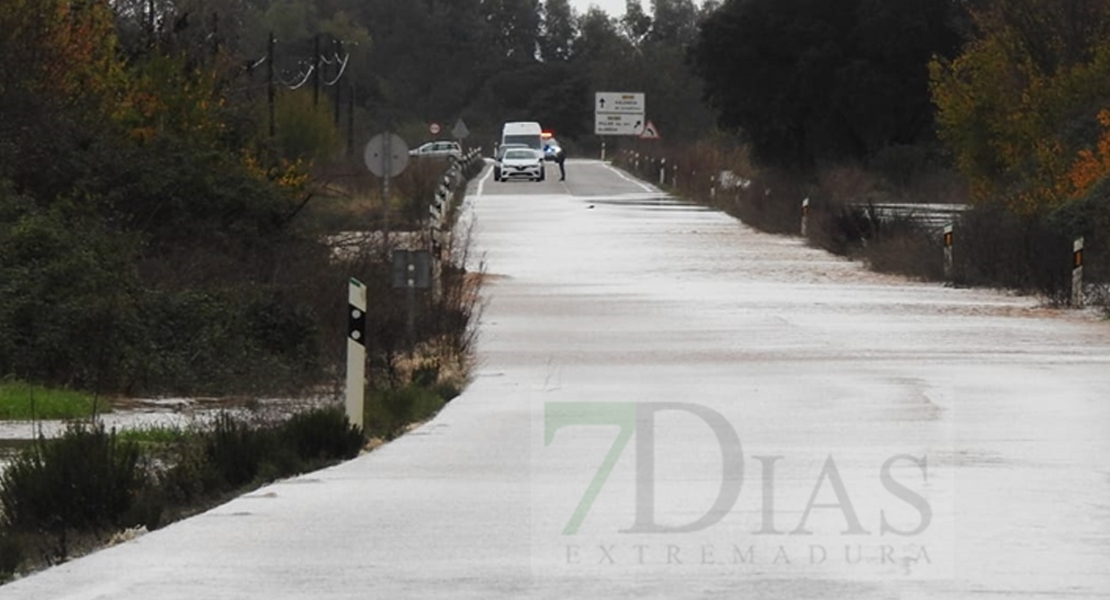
{"points": [[997, 248], [85, 480], [322, 435], [68, 295], [12, 555], [389, 411], [235, 450]]}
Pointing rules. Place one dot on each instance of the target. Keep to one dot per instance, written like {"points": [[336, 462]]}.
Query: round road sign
{"points": [[386, 155], [434, 128]]}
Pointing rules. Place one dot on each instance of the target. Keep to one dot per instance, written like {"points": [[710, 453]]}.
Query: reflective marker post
{"points": [[948, 240], [805, 217], [1077, 273], [356, 351]]}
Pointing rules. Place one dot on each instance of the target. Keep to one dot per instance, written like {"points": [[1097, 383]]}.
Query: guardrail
{"points": [[933, 216], [939, 221], [439, 212]]}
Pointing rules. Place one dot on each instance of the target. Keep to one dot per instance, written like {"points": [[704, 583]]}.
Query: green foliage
{"points": [[305, 131], [322, 435], [85, 480], [154, 435], [1088, 217], [236, 451], [389, 411], [67, 289], [91, 481], [23, 401], [807, 81], [1021, 101]]}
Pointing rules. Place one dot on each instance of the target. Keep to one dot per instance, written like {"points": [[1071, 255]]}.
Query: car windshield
{"points": [[520, 154], [530, 140]]}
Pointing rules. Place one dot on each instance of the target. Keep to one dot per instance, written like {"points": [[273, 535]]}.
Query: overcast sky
{"points": [[615, 8]]}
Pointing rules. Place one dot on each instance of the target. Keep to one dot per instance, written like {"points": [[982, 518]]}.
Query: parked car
{"points": [[499, 154], [520, 163], [438, 149]]}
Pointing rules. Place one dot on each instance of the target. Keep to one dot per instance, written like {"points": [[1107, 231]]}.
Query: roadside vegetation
{"points": [[166, 229], [64, 496], [1000, 106], [183, 201], [26, 402]]}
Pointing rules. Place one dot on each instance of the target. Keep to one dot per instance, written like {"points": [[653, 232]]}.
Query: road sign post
{"points": [[356, 351], [412, 270], [386, 155], [619, 113]]}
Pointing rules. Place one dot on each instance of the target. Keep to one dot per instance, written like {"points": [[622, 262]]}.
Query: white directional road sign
{"points": [[618, 124], [619, 113], [617, 102]]}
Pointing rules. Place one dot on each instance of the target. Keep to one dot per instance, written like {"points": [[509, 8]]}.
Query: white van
{"points": [[528, 133]]}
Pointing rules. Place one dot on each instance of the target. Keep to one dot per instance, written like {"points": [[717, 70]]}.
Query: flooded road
{"points": [[669, 404]]}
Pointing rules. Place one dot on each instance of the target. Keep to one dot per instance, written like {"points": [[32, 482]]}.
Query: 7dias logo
{"points": [[639, 419]]}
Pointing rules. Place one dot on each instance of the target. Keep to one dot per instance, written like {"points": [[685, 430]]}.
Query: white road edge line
{"points": [[644, 186], [482, 182]]}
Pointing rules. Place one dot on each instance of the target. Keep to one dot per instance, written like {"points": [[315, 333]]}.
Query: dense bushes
{"points": [[91, 482], [994, 246], [86, 480], [77, 312]]}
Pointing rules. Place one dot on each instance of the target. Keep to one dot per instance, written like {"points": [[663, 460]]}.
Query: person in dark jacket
{"points": [[560, 158]]}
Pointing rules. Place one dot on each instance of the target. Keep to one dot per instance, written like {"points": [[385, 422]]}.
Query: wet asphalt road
{"points": [[670, 405]]}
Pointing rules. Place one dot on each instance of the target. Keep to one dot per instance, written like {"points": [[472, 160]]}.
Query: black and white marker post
{"points": [[1077, 273], [805, 217], [948, 241], [356, 351]]}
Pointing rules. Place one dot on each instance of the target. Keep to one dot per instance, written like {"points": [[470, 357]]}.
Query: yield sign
{"points": [[460, 130], [650, 132]]}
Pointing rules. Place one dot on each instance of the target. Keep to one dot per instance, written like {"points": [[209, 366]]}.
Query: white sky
{"points": [[615, 8]]}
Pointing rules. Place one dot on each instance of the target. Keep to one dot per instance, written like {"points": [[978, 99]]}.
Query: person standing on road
{"points": [[560, 158]]}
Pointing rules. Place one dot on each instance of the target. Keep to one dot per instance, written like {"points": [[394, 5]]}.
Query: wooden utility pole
{"points": [[270, 82], [316, 71], [351, 120], [335, 44]]}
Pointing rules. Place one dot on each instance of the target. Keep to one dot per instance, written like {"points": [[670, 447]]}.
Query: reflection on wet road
{"points": [[669, 404]]}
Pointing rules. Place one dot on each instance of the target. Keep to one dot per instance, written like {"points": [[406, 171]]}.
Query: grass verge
{"points": [[21, 401]]}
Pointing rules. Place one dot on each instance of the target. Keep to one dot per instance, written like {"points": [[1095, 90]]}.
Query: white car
{"points": [[520, 163], [440, 149]]}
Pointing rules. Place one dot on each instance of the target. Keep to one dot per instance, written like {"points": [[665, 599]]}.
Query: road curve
{"points": [[669, 404]]}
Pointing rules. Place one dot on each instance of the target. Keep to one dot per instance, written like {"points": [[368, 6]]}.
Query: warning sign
{"points": [[650, 132]]}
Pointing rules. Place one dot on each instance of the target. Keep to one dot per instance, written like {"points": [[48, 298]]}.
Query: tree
{"points": [[559, 30], [514, 26], [1019, 109], [814, 80], [635, 24], [674, 22]]}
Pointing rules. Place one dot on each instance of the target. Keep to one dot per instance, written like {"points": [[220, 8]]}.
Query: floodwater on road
{"points": [[669, 404]]}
